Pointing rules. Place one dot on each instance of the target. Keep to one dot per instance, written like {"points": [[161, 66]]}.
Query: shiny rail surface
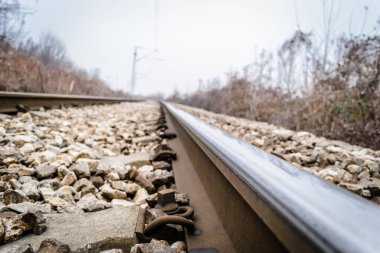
{"points": [[14, 101], [266, 204]]}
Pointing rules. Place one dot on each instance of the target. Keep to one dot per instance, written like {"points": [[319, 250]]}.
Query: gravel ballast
{"points": [[77, 160]]}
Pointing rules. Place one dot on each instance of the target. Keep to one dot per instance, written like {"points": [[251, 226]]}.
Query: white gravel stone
{"points": [[140, 196], [2, 131], [27, 148], [108, 192], [30, 207], [69, 178], [90, 203]]}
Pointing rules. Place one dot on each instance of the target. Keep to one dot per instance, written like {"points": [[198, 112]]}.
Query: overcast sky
{"points": [[197, 39]]}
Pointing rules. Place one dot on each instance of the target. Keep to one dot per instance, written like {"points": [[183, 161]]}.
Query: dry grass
{"points": [[341, 102], [19, 71]]}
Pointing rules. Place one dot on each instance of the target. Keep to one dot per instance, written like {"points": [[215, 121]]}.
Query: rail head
{"points": [[330, 218], [4, 94], [9, 101]]}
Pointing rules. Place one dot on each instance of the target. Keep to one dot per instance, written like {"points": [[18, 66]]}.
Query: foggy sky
{"points": [[197, 39]]}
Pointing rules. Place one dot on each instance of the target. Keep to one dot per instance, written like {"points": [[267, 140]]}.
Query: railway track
{"points": [[20, 101], [246, 200]]}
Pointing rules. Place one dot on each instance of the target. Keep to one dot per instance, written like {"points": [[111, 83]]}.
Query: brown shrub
{"points": [[24, 73], [343, 101]]}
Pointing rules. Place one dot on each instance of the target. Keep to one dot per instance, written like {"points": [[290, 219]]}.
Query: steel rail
{"points": [[303, 212], [13, 101]]}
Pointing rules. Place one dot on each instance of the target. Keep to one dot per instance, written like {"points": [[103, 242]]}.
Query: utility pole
{"points": [[136, 59], [133, 75]]}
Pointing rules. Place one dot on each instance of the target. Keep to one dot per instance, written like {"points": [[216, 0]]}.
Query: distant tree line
{"points": [[40, 66], [331, 92]]}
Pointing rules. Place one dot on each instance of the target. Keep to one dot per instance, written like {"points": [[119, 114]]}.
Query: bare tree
{"points": [[299, 45], [11, 20], [52, 51], [260, 71]]}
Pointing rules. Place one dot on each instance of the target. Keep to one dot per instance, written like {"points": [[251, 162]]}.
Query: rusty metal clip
{"points": [[170, 219], [145, 234], [184, 211], [166, 156]]}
